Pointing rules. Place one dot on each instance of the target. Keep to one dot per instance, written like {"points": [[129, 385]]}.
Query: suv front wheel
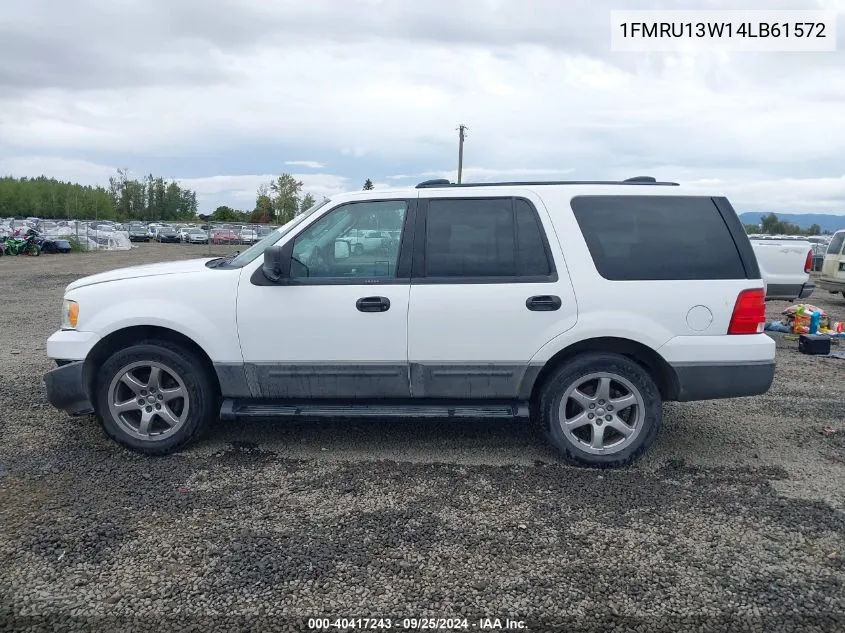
{"points": [[600, 409], [154, 397]]}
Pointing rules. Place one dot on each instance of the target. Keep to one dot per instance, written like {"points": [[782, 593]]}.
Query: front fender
{"points": [[217, 336]]}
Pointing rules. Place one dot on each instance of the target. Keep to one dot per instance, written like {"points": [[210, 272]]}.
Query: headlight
{"points": [[70, 314]]}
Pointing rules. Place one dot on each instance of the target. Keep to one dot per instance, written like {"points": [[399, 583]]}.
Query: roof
{"points": [[635, 185], [636, 180]]}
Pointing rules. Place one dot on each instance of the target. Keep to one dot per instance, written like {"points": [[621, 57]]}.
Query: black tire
{"points": [[202, 400], [574, 446], [358, 249]]}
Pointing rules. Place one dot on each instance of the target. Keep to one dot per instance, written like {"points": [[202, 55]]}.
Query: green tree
{"points": [[769, 223], [124, 198], [225, 214], [285, 190], [814, 229], [263, 211], [368, 184], [306, 203]]}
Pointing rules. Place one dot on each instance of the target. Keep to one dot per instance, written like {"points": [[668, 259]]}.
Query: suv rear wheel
{"points": [[154, 397], [600, 409]]}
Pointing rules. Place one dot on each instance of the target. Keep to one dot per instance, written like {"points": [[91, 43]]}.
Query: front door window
{"points": [[359, 240]]}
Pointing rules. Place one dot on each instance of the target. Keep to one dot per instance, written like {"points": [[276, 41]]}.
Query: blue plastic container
{"points": [[814, 322]]}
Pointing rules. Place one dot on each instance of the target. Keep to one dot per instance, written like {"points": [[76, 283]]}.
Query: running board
{"points": [[237, 408]]}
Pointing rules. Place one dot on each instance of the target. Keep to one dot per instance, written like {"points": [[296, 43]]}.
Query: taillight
{"points": [[749, 316], [808, 263]]}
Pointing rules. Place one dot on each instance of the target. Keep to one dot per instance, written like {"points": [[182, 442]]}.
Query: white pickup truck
{"points": [[785, 263]]}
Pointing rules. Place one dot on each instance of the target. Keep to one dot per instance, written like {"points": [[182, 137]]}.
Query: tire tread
{"points": [[198, 372], [550, 392]]}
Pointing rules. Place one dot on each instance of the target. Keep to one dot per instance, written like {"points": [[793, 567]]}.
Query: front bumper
{"points": [[71, 344], [66, 389]]}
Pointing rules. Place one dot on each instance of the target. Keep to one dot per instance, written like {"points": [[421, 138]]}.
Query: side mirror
{"points": [[274, 268], [341, 249]]}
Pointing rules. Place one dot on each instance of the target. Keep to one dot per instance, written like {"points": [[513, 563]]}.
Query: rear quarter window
{"points": [[835, 246], [657, 238]]}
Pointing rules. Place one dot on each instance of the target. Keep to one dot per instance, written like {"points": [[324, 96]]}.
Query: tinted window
{"points": [[835, 246], [493, 237], [342, 245], [470, 238], [657, 237], [531, 257]]}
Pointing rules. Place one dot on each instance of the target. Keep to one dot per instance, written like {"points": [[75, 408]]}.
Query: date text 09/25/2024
{"points": [[417, 624]]}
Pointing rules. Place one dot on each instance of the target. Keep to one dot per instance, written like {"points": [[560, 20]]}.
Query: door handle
{"points": [[543, 303], [373, 304]]}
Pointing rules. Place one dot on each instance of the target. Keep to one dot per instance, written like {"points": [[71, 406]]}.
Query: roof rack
{"points": [[636, 180]]}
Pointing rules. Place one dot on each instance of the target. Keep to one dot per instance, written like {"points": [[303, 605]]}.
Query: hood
{"points": [[148, 270]]}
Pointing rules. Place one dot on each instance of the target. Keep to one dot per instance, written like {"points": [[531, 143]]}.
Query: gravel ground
{"points": [[734, 521]]}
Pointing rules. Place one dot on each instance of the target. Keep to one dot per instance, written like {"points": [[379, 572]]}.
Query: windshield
{"points": [[273, 236]]}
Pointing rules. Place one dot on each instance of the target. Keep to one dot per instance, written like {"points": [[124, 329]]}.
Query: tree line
{"points": [[125, 199], [770, 225], [147, 199]]}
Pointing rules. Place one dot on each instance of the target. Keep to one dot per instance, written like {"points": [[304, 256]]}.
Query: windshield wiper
{"points": [[220, 261]]}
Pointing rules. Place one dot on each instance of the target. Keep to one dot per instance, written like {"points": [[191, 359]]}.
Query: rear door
{"points": [[487, 292]]}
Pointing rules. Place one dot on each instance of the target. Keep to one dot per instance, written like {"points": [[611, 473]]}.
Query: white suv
{"points": [[583, 305]]}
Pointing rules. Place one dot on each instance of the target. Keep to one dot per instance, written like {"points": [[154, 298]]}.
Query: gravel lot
{"points": [[735, 520]]}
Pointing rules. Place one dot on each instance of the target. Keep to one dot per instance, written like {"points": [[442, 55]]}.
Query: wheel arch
{"points": [[657, 367], [131, 335]]}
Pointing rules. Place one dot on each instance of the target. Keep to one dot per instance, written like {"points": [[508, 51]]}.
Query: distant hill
{"points": [[804, 220]]}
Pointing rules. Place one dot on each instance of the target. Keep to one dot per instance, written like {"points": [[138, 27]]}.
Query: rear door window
{"points": [[657, 238], [493, 238]]}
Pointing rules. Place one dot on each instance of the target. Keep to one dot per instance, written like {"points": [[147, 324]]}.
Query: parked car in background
{"points": [[167, 233], [785, 264], [196, 236], [248, 236], [183, 233], [224, 236], [138, 232], [367, 241], [832, 278], [152, 227]]}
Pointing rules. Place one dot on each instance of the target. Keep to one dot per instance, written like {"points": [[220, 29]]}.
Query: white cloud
{"points": [[309, 164], [362, 86], [485, 174], [68, 169]]}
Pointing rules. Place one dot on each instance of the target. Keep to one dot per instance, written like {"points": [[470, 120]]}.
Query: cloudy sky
{"points": [[223, 94]]}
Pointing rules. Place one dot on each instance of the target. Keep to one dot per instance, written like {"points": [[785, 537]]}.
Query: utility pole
{"points": [[462, 130]]}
